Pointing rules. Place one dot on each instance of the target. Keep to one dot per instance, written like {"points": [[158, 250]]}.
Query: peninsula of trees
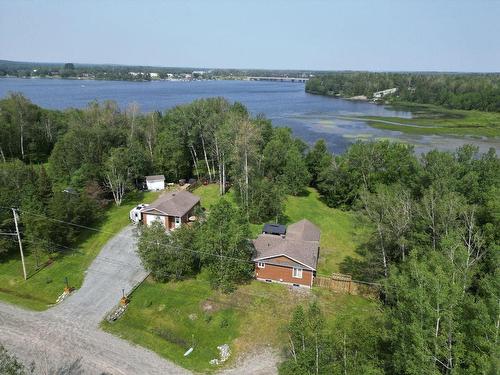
{"points": [[452, 90]]}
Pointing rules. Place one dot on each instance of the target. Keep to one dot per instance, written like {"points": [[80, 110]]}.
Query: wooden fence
{"points": [[343, 283]]}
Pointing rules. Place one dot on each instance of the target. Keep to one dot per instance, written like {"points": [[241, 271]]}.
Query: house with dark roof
{"points": [[289, 258], [171, 209]]}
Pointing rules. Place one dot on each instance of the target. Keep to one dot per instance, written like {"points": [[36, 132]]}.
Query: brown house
{"points": [[290, 257], [171, 209]]}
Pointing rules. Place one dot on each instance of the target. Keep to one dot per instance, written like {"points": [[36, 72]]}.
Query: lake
{"points": [[311, 117]]}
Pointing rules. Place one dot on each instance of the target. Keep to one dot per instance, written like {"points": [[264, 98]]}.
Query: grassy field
{"points": [[170, 318], [429, 119], [44, 286], [340, 234]]}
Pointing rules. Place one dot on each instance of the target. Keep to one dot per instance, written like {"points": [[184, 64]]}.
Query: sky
{"points": [[377, 35]]}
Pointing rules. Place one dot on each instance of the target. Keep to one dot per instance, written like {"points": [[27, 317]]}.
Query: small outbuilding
{"points": [[290, 257], [155, 183]]}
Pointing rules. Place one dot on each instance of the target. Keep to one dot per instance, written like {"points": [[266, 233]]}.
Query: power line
{"points": [[149, 242], [99, 259], [168, 247], [114, 261]]}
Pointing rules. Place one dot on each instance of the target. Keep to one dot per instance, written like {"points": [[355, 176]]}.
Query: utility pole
{"points": [[19, 241]]}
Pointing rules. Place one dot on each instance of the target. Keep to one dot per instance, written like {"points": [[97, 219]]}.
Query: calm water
{"points": [[311, 117]]}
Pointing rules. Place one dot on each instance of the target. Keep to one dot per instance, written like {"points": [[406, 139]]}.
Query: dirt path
{"points": [[66, 339]]}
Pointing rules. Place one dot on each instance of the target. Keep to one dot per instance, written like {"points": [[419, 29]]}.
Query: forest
{"points": [[434, 247], [434, 220], [452, 90]]}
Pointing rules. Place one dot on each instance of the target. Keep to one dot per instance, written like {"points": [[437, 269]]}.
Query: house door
{"points": [[170, 222]]}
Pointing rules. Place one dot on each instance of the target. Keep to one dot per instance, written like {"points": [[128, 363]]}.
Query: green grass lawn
{"points": [[340, 234], [170, 318], [43, 287], [430, 119]]}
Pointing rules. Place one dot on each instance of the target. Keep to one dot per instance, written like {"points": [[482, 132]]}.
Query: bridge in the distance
{"points": [[279, 79]]}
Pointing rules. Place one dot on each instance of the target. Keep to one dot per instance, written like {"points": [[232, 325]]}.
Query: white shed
{"points": [[155, 182]]}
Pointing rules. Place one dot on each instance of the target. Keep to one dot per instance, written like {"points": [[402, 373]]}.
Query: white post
{"points": [[19, 241]]}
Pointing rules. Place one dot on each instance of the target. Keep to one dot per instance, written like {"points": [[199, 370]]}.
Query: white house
{"points": [[155, 182], [171, 209], [154, 75]]}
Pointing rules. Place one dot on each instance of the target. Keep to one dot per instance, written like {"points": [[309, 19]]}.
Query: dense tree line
{"points": [[434, 248], [68, 165], [457, 91], [122, 72]]}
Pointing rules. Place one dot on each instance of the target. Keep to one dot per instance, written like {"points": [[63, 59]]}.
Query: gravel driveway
{"points": [[67, 336], [66, 339]]}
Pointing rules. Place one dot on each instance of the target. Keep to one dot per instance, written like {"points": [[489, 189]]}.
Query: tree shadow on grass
{"points": [[304, 193], [364, 267]]}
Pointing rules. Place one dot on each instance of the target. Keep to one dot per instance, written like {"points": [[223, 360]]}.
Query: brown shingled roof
{"points": [[176, 203], [303, 230], [300, 244]]}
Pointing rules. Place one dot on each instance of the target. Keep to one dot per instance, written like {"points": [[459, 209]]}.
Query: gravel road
{"points": [[66, 339], [67, 336]]}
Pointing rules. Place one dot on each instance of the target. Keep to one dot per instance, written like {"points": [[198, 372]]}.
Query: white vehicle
{"points": [[136, 214]]}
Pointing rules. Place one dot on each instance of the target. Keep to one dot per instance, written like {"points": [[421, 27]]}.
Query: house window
{"points": [[155, 218], [261, 265], [177, 222], [297, 273]]}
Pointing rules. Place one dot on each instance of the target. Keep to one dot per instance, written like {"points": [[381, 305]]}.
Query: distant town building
{"points": [[154, 75], [381, 94]]}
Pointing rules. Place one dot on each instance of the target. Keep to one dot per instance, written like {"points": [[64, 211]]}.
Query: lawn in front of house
{"points": [[169, 318], [340, 232], [44, 286]]}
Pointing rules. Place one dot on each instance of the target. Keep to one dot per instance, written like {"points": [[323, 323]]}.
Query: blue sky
{"points": [[444, 35]]}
